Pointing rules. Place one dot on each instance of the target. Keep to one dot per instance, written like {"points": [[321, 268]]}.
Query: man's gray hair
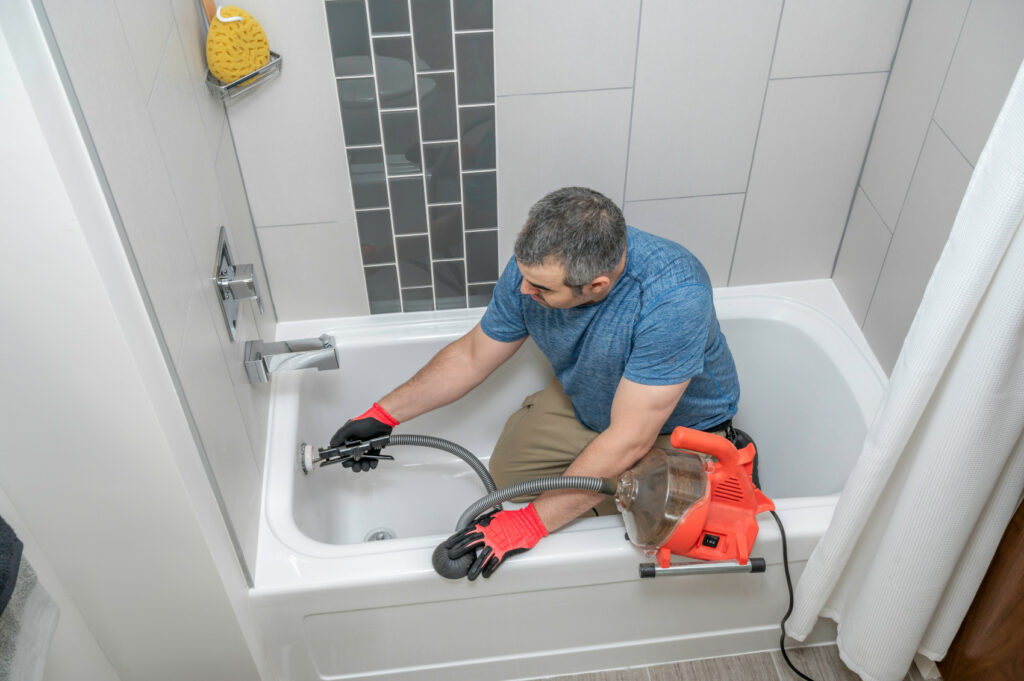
{"points": [[582, 229]]}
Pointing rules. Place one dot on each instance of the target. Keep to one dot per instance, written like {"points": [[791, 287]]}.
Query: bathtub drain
{"points": [[379, 534]]}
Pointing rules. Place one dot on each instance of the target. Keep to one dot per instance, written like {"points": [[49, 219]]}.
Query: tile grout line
{"points": [[384, 155], [871, 139], [560, 92], [757, 135], [690, 196], [458, 156], [632, 105], [874, 208], [920, 152], [778, 668], [946, 134], [836, 75], [423, 164]]}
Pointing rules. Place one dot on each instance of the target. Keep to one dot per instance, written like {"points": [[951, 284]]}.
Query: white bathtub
{"points": [[331, 606]]}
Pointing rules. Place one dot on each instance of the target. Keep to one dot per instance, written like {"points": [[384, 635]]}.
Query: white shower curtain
{"points": [[942, 468]]}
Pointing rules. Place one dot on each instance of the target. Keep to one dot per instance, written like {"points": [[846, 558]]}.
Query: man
{"points": [[628, 323]]}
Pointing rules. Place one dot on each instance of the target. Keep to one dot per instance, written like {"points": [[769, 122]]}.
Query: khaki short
{"points": [[541, 439]]}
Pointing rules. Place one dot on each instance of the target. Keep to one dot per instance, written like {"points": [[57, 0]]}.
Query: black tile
{"points": [[389, 16], [350, 37], [450, 284], [482, 256], [359, 111], [480, 294], [477, 126], [446, 231], [442, 172], [414, 260], [432, 29], [473, 15], [476, 67], [481, 192], [396, 80], [417, 299], [437, 106], [375, 239], [402, 142], [369, 185], [382, 289], [408, 205]]}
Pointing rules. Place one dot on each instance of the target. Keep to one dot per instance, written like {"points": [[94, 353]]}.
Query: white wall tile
{"points": [[557, 140], [860, 258], [924, 54], [987, 59], [554, 46], [701, 73], [706, 225], [932, 204], [308, 274], [220, 425], [814, 135], [825, 37], [147, 26], [288, 135], [192, 33]]}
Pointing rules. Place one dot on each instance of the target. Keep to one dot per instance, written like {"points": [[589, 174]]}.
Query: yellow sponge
{"points": [[235, 45]]}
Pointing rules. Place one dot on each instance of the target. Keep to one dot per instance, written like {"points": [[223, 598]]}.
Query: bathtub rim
{"points": [[283, 546]]}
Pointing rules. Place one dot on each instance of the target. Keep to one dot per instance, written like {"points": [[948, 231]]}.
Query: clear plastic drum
{"points": [[658, 492]]}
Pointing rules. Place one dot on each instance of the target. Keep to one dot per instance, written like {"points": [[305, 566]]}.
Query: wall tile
{"points": [[474, 53], [389, 16], [442, 172], [471, 15], [417, 299], [818, 38], [450, 284], [480, 191], [375, 238], [438, 116], [432, 34], [303, 265], [396, 81], [543, 46], [350, 42], [221, 429], [860, 258], [932, 204], [413, 261], [408, 206], [288, 135], [476, 125], [382, 289], [369, 178], [706, 225], [480, 294], [917, 75], [358, 100], [482, 256], [700, 80], [147, 27], [401, 142], [814, 135], [987, 59], [590, 130], [192, 33], [446, 231]]}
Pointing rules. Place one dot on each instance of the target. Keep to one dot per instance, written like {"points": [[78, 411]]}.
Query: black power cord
{"points": [[789, 585]]}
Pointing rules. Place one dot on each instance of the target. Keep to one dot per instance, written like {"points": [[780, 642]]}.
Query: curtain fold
{"points": [[942, 467]]}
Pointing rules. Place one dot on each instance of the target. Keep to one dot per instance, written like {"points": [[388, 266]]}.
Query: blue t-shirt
{"points": [[657, 326]]}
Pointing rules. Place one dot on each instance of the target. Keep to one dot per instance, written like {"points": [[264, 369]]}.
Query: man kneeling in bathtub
{"points": [[627, 321]]}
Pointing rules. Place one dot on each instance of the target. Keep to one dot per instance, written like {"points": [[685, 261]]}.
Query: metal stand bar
{"points": [[651, 570]]}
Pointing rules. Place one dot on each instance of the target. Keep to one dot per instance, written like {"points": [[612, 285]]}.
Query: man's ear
{"points": [[600, 283]]}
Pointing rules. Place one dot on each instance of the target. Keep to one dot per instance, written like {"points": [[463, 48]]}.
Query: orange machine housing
{"points": [[723, 524]]}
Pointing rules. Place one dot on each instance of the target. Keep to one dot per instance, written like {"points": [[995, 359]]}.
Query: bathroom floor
{"points": [[821, 663]]}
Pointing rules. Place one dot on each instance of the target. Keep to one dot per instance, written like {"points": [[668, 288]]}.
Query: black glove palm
{"points": [[357, 430]]}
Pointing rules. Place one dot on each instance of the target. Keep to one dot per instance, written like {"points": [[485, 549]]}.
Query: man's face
{"points": [[545, 283]]}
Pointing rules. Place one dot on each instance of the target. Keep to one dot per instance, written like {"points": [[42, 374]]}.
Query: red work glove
{"points": [[498, 535], [374, 422]]}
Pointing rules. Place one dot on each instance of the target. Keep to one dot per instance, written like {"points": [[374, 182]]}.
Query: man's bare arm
{"points": [[638, 414], [458, 368]]}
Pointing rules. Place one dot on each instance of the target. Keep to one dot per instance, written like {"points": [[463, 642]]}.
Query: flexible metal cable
{"points": [[602, 485], [451, 448]]}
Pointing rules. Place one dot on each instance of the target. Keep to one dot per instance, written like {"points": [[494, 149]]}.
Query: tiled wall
{"points": [[415, 81], [166, 150], [956, 62]]}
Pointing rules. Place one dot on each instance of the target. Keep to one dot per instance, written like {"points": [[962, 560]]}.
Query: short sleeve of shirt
{"points": [[671, 337], [503, 321]]}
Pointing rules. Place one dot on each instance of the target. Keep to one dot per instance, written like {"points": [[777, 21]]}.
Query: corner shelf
{"points": [[246, 84]]}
